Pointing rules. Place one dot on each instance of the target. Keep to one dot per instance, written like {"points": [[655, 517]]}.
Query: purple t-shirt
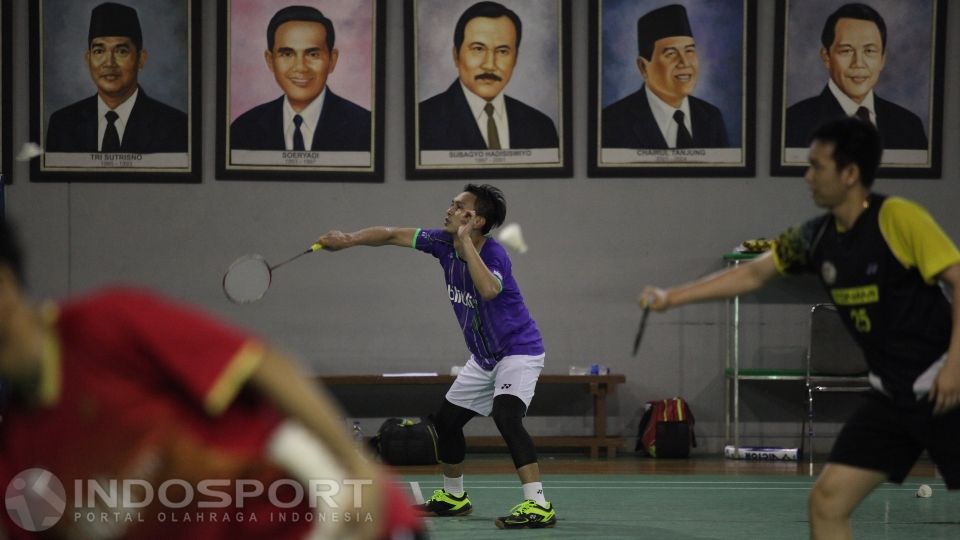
{"points": [[492, 329]]}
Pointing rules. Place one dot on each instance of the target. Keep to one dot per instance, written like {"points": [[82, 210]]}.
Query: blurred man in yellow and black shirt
{"points": [[893, 252], [885, 262]]}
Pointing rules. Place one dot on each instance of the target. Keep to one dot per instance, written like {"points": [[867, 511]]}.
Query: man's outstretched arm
{"points": [[372, 236], [723, 284]]}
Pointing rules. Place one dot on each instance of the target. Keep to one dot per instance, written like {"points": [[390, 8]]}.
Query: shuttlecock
{"points": [[512, 237], [29, 151], [924, 491]]}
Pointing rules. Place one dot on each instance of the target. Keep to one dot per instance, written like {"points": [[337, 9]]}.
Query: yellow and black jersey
{"points": [[882, 274]]}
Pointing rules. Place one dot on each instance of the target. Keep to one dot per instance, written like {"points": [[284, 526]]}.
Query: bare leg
{"points": [[835, 496], [528, 473], [453, 470]]}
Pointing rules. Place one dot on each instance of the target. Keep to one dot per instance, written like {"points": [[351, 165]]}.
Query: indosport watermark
{"points": [[36, 500]]}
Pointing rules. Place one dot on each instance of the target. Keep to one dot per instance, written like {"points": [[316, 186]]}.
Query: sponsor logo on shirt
{"points": [[459, 297], [856, 296]]}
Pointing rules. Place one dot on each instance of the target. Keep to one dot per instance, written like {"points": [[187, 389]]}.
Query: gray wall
{"points": [[594, 243]]}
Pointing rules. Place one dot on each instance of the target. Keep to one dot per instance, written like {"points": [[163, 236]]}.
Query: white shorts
{"points": [[475, 388]]}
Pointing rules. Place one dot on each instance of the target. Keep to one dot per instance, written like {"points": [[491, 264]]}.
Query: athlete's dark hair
{"points": [[492, 10], [861, 12], [490, 204], [10, 250], [299, 13], [854, 141]]}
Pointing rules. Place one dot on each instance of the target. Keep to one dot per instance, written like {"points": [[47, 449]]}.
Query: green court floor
{"points": [[687, 507]]}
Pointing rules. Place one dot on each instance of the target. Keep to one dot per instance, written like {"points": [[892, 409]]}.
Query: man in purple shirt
{"points": [[506, 351]]}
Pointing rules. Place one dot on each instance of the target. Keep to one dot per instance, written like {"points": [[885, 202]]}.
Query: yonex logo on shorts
{"points": [[35, 500], [504, 387]]}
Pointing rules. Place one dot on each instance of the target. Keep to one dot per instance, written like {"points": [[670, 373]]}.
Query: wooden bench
{"points": [[599, 386]]}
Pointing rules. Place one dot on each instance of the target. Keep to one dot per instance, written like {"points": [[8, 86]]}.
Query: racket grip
{"points": [[317, 246]]}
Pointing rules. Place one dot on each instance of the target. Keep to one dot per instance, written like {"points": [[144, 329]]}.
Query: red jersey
{"points": [[137, 391]]}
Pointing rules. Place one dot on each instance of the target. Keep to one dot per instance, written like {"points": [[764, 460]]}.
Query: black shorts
{"points": [[888, 437]]}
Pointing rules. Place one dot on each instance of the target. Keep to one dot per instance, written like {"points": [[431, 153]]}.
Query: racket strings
{"points": [[247, 279]]}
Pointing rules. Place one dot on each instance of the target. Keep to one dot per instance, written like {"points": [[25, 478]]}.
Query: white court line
{"points": [[417, 494], [418, 498]]}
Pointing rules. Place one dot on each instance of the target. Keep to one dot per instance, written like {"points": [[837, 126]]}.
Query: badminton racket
{"points": [[639, 336], [248, 278]]}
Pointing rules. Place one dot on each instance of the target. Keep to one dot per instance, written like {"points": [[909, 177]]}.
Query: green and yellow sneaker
{"points": [[529, 515], [444, 504]]}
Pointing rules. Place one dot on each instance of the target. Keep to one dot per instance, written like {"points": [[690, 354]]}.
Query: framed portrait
{"points": [[300, 90], [882, 62], [6, 113], [115, 90], [671, 88], [480, 105]]}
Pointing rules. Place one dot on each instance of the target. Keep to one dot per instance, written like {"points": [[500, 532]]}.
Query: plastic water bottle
{"points": [[599, 369], [593, 369], [357, 433]]}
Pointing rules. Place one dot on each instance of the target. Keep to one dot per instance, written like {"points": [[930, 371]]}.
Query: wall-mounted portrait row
{"points": [[115, 87]]}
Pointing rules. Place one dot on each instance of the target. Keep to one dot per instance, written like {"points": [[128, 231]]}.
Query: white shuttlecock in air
{"points": [[29, 151], [512, 237]]}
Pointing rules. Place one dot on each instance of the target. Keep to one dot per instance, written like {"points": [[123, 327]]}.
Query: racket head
{"points": [[247, 279]]}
